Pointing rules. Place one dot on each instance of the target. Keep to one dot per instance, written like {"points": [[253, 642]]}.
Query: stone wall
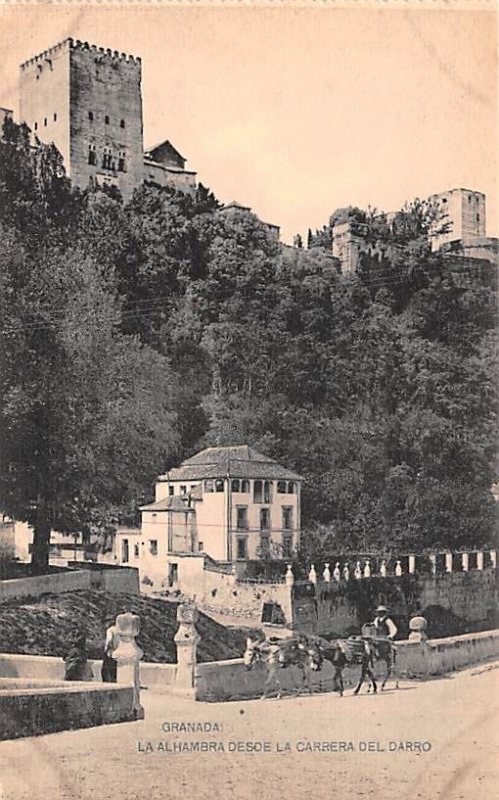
{"points": [[112, 579], [224, 594], [453, 603], [31, 711]]}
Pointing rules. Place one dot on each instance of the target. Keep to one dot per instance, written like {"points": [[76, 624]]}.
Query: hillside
{"points": [[42, 626]]}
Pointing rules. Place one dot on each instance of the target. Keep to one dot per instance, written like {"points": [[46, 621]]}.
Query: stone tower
{"points": [[465, 210], [87, 100]]}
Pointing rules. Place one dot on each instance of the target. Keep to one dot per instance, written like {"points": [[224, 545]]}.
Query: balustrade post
{"points": [[326, 574], [312, 575], [412, 564], [290, 578], [382, 569], [433, 563], [186, 639], [479, 560], [493, 559], [398, 569], [337, 572], [367, 570], [465, 561], [448, 562]]}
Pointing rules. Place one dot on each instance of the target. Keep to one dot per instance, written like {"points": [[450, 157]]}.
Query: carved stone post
{"points": [[382, 569], [358, 571], [433, 563], [312, 575], [479, 560], [398, 569], [186, 639], [346, 573], [337, 572], [128, 655], [448, 562], [465, 561], [326, 574], [367, 569], [493, 559], [290, 578], [412, 564], [417, 626]]}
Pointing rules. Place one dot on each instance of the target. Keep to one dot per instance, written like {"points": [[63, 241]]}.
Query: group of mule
{"points": [[308, 654]]}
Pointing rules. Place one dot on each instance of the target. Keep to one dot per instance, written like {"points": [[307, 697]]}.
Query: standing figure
{"points": [[385, 627], [109, 664], [77, 667]]}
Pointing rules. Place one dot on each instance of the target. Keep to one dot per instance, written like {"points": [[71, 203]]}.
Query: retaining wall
{"points": [[109, 579]]}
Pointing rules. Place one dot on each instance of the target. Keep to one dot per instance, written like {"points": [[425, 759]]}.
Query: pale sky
{"points": [[297, 111]]}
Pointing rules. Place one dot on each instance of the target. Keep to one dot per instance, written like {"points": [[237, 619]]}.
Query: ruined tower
{"points": [[87, 100]]}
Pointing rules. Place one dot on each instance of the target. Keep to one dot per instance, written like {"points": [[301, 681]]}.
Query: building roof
{"points": [[165, 153], [167, 504], [236, 462]]}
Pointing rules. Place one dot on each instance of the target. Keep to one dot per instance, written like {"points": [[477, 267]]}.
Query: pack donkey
{"points": [[365, 650], [277, 654]]}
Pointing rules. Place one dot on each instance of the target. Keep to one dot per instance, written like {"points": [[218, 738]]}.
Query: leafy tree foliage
{"points": [[138, 332]]}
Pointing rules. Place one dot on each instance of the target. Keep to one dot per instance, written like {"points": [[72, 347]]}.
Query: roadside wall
{"points": [[110, 580]]}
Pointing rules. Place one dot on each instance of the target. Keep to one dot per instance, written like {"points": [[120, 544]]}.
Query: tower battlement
{"points": [[77, 44]]}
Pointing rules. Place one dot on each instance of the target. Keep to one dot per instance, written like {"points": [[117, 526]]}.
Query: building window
{"points": [[200, 546], [219, 485], [267, 488], [107, 161], [36, 126], [45, 122], [208, 486], [478, 217], [122, 123], [136, 550], [242, 547], [171, 490], [257, 491], [91, 116], [264, 546], [287, 546], [265, 519], [287, 518], [183, 490], [153, 547], [55, 117], [281, 487], [106, 120], [291, 487], [91, 155], [245, 487], [124, 551], [121, 164], [236, 485], [242, 518]]}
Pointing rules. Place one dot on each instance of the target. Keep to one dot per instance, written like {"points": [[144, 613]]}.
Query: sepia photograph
{"points": [[249, 485]]}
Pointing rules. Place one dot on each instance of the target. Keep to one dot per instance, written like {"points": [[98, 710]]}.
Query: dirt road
{"points": [[310, 747]]}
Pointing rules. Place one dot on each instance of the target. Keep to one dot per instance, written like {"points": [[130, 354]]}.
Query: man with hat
{"points": [[384, 626], [109, 664]]}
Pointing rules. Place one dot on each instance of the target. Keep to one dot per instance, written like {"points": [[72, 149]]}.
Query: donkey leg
{"points": [[363, 673], [373, 682], [388, 673]]}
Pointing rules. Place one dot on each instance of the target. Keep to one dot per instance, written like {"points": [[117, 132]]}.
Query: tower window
{"points": [[121, 165], [122, 123], [91, 156], [36, 126], [45, 121], [478, 217], [91, 116], [55, 117], [106, 120]]}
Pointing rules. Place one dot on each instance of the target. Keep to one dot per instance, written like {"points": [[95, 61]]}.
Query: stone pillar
{"points": [[312, 575], [337, 572], [367, 569], [448, 562], [382, 569], [398, 569], [346, 573], [186, 640], [479, 560], [433, 563], [290, 578], [358, 571], [465, 561], [417, 627], [493, 559], [412, 564], [326, 574], [128, 655]]}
